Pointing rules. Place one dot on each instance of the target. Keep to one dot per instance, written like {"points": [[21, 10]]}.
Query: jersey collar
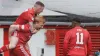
{"points": [[77, 27]]}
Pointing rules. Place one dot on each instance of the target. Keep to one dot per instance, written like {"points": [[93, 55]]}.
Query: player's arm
{"points": [[89, 45], [24, 28], [12, 29], [66, 41]]}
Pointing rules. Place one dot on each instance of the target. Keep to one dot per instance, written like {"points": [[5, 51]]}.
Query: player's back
{"points": [[78, 42], [25, 17]]}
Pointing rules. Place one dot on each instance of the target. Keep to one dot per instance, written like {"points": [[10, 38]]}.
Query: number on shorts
{"points": [[79, 37]]}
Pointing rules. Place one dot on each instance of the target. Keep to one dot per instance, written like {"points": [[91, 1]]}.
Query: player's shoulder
{"points": [[73, 29], [31, 10], [24, 13], [27, 11], [86, 31], [69, 31]]}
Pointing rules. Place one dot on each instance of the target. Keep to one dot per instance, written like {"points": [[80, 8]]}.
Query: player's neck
{"points": [[77, 26]]}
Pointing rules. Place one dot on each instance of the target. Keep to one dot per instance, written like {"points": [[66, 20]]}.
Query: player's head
{"points": [[39, 7], [39, 21], [76, 22]]}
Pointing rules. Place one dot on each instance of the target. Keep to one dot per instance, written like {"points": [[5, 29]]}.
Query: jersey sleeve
{"points": [[25, 28], [89, 45], [66, 41], [28, 16]]}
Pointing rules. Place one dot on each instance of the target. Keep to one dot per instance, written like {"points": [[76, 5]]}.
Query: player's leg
{"points": [[21, 50], [11, 45], [13, 42], [14, 38]]}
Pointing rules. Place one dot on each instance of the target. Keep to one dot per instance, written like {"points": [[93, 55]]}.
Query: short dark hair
{"points": [[76, 20], [40, 3]]}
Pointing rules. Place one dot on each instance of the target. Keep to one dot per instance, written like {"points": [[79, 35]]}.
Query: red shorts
{"points": [[20, 50]]}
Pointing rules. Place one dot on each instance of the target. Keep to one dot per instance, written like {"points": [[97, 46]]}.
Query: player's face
{"points": [[39, 25], [39, 9]]}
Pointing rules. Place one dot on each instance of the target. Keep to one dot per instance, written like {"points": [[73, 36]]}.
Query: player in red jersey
{"points": [[28, 16], [77, 41], [21, 36]]}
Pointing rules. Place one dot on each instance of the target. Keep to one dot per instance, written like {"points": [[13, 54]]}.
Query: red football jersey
{"points": [[77, 42], [24, 34], [24, 28], [26, 17]]}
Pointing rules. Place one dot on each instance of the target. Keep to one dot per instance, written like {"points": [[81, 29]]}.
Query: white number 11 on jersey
{"points": [[79, 37]]}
